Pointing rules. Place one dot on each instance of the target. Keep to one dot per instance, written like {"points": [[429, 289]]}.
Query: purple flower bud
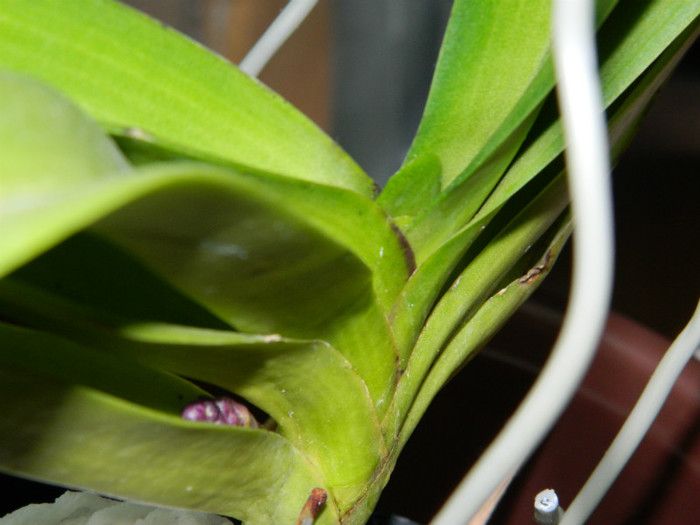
{"points": [[236, 414], [221, 411]]}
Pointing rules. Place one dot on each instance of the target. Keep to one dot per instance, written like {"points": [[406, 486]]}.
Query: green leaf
{"points": [[491, 52], [57, 359], [107, 284], [630, 42], [319, 402], [300, 384], [546, 144], [455, 206], [474, 285], [458, 203], [415, 184], [630, 39], [136, 76], [234, 246], [47, 147], [86, 438], [487, 320], [636, 101], [265, 253], [249, 263], [423, 288], [352, 219], [51, 138]]}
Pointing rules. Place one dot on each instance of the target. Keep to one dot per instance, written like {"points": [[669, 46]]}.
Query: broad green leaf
{"points": [[458, 203], [622, 121], [320, 403], [85, 438], [55, 146], [491, 52], [51, 138], [245, 260], [351, 219], [136, 76], [68, 156], [647, 29], [234, 242], [46, 146], [231, 244], [300, 384]]}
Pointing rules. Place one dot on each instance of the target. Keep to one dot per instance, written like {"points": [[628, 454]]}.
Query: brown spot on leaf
{"points": [[408, 254], [312, 507], [533, 272]]}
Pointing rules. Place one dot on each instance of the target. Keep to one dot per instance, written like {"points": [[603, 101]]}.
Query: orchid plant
{"points": [[172, 229]]}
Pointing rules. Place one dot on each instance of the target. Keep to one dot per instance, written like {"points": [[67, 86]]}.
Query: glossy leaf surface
{"points": [[320, 403], [130, 72], [491, 52], [300, 384], [232, 241], [463, 197], [540, 150], [85, 437]]}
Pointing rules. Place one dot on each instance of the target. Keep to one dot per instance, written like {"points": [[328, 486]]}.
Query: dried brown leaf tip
{"points": [[312, 507]]}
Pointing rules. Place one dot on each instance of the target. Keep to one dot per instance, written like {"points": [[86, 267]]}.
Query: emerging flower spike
{"points": [[221, 411]]}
